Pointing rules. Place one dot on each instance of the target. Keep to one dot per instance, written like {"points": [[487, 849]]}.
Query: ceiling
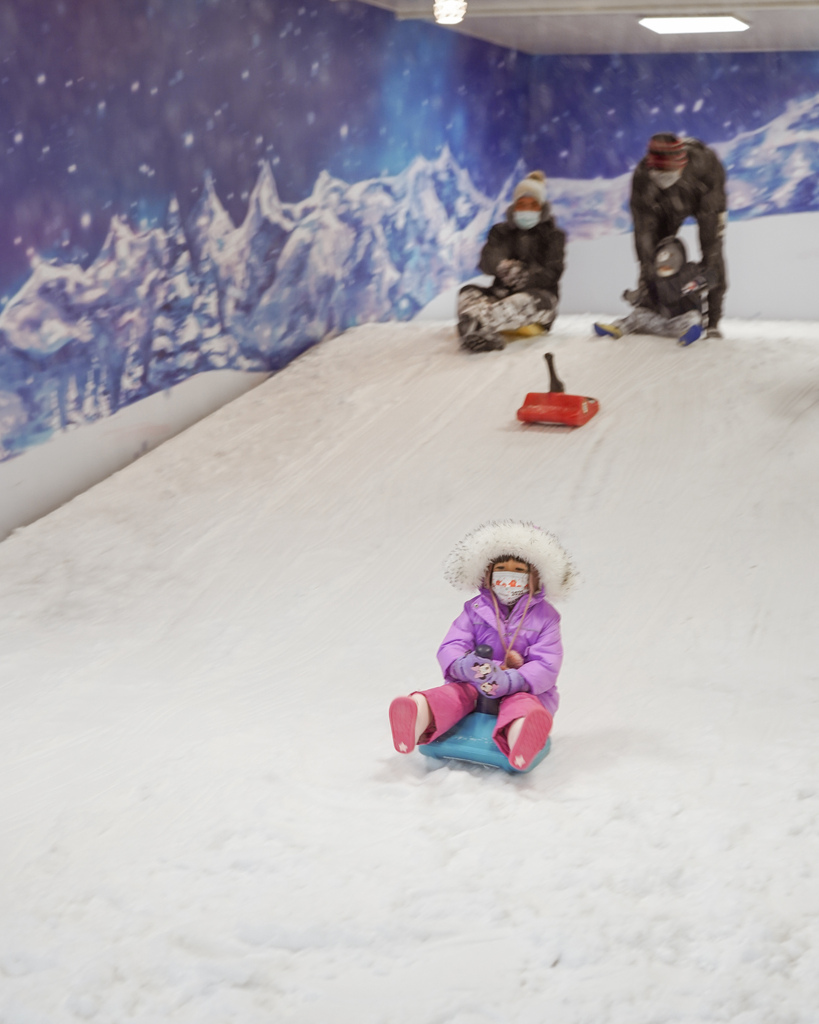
{"points": [[611, 26]]}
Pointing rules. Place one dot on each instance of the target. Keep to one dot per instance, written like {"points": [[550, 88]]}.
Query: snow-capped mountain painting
{"points": [[775, 169], [156, 306], [772, 170]]}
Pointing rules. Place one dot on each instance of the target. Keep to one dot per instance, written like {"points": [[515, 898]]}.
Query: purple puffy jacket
{"points": [[538, 641]]}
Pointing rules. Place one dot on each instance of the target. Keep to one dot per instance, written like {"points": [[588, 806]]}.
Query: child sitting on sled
{"points": [[673, 302], [514, 566]]}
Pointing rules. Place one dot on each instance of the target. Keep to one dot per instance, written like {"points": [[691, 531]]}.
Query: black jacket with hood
{"points": [[540, 250], [684, 291]]}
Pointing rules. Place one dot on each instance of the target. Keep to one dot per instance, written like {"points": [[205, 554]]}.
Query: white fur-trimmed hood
{"points": [[466, 564]]}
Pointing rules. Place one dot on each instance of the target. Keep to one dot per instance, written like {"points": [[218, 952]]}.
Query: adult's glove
{"points": [[635, 296], [513, 273]]}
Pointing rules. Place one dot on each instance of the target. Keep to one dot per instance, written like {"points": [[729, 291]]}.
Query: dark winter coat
{"points": [[658, 213], [684, 291], [540, 249]]}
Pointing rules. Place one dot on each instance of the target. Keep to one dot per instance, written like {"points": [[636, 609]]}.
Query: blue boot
{"points": [[691, 335], [608, 331]]}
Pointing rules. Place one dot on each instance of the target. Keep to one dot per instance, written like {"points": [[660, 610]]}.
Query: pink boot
{"points": [[403, 718], [531, 739]]}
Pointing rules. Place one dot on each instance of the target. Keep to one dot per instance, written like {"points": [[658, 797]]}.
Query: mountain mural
{"points": [[154, 307], [772, 170]]}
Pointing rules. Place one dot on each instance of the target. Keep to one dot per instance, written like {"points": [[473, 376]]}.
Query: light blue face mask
{"points": [[526, 219]]}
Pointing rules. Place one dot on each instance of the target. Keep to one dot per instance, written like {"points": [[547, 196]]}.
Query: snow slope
{"points": [[204, 820]]}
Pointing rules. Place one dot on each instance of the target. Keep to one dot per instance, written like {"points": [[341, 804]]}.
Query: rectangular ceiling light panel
{"points": [[681, 26]]}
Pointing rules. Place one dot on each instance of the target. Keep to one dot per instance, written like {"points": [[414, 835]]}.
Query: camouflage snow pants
{"points": [[484, 312], [644, 321]]}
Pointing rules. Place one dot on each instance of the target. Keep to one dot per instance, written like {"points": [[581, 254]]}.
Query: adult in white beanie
{"points": [[524, 254]]}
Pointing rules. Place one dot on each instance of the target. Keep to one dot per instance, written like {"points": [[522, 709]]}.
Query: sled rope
{"points": [[501, 632]]}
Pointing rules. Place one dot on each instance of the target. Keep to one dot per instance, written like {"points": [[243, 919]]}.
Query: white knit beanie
{"points": [[466, 564], [534, 184]]}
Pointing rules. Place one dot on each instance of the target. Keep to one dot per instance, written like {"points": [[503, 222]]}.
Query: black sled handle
{"points": [[486, 705], [555, 383]]}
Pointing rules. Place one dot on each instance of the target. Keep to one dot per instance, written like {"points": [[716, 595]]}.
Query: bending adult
{"points": [[676, 179], [524, 253]]}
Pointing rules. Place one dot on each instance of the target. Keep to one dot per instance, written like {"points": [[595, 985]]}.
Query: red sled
{"points": [[554, 406]]}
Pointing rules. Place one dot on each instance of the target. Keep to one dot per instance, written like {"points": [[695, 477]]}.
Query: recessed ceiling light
{"points": [[680, 26], [449, 12]]}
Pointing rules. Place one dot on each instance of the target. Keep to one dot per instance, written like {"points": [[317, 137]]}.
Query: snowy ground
{"points": [[204, 820]]}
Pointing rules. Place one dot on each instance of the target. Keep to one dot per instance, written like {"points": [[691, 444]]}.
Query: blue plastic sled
{"points": [[471, 740]]}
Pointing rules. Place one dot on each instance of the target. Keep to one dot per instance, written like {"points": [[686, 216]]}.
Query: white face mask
{"points": [[509, 586], [526, 219], [664, 179]]}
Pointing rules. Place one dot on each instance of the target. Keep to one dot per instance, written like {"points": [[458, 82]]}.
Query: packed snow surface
{"points": [[204, 819]]}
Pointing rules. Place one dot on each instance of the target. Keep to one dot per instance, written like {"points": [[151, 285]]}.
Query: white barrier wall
{"points": [[773, 267], [48, 475]]}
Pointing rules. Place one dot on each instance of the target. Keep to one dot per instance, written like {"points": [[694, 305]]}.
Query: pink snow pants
{"points": [[453, 701]]}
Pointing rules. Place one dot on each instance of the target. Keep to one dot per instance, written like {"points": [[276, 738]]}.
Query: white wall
{"points": [[773, 267], [50, 474], [773, 270]]}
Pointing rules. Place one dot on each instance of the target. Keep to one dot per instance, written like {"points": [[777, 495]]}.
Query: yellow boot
{"points": [[527, 331]]}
